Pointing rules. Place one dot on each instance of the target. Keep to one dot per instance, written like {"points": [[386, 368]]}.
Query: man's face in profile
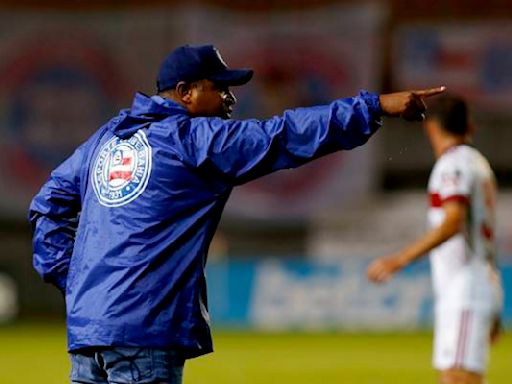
{"points": [[211, 99]]}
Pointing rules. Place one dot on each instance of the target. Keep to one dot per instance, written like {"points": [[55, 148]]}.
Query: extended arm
{"points": [[245, 150], [382, 269]]}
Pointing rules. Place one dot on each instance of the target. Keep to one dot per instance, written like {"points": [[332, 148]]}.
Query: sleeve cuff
{"points": [[459, 198], [372, 102], [437, 201]]}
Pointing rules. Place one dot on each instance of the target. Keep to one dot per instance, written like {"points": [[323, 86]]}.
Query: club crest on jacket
{"points": [[121, 170]]}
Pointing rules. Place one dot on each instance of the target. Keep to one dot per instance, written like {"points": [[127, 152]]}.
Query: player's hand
{"points": [[408, 104], [382, 269]]}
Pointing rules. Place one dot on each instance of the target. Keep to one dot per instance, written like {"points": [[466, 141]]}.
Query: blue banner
{"points": [[283, 295]]}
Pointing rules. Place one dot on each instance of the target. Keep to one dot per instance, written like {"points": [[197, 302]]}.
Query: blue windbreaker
{"points": [[122, 227]]}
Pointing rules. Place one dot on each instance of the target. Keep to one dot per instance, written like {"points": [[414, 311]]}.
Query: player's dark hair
{"points": [[451, 112]]}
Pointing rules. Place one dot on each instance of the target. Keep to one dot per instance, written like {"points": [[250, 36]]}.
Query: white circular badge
{"points": [[121, 170]]}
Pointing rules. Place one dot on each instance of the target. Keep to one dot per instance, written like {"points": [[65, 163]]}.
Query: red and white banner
{"points": [[473, 59], [301, 57], [62, 75]]}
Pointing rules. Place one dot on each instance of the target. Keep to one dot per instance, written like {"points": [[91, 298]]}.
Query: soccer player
{"points": [[460, 239], [123, 226]]}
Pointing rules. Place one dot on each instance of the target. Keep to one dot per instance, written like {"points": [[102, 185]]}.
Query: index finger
{"points": [[429, 91]]}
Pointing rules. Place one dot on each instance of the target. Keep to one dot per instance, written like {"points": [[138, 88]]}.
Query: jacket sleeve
{"points": [[53, 214], [243, 150]]}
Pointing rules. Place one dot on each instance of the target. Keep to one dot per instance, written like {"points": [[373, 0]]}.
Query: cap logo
{"points": [[121, 170], [220, 57]]}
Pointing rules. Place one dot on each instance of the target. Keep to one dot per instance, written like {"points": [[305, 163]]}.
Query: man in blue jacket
{"points": [[122, 227]]}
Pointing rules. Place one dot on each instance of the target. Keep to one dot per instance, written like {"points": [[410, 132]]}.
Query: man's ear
{"points": [[184, 92]]}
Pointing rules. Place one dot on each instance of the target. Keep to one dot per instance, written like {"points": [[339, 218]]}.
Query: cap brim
{"points": [[233, 77]]}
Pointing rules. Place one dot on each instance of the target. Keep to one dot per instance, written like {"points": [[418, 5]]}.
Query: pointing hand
{"points": [[408, 104]]}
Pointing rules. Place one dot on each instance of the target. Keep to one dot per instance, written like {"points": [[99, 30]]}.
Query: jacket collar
{"points": [[155, 105], [144, 111]]}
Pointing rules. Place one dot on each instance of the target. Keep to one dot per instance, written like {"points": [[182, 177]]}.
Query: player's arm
{"points": [[247, 149], [53, 214], [382, 269]]}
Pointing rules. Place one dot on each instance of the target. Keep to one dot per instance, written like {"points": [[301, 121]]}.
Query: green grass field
{"points": [[35, 353]]}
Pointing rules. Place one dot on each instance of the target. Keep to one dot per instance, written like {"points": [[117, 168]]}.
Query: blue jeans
{"points": [[122, 365]]}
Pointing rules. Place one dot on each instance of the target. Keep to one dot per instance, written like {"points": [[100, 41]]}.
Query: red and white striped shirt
{"points": [[462, 265]]}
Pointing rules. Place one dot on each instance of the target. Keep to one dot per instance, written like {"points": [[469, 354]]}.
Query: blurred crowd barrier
{"points": [[386, 224]]}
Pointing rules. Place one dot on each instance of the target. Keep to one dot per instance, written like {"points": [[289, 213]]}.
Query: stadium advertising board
{"points": [[275, 295]]}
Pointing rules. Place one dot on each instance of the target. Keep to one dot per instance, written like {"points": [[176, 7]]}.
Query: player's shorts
{"points": [[461, 339]]}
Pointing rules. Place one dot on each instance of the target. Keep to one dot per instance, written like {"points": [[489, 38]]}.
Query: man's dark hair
{"points": [[451, 112]]}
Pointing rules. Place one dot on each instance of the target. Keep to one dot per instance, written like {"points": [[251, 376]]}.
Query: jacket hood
{"points": [[144, 111]]}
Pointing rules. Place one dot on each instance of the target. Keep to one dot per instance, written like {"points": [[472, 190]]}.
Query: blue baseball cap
{"points": [[191, 63]]}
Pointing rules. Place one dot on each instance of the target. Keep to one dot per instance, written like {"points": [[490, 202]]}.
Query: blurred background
{"points": [[292, 248]]}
